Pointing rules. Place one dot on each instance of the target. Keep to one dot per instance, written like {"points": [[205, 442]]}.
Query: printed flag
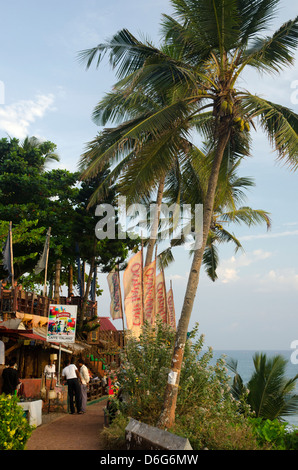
{"points": [[7, 254], [133, 294], [149, 279], [42, 262], [161, 298], [171, 308], [114, 286]]}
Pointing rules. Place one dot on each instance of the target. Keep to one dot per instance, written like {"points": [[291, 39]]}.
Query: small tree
{"points": [[269, 393]]}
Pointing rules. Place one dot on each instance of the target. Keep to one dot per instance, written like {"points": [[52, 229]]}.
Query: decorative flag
{"points": [[78, 263], [161, 298], [43, 260], [133, 294], [149, 279], [171, 308], [93, 285], [114, 286], [7, 254]]}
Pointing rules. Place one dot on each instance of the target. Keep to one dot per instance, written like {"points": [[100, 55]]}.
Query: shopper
{"points": [[85, 379], [71, 374], [10, 378]]}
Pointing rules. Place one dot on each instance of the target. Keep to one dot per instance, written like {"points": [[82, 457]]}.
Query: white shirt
{"points": [[49, 370], [84, 374], [69, 372]]}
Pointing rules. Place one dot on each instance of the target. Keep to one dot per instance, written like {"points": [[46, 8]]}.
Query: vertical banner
{"points": [[133, 298], [8, 255], [161, 298], [149, 280], [171, 308], [62, 323], [114, 286]]}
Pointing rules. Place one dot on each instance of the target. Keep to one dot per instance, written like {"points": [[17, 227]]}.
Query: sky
{"points": [[45, 92]]}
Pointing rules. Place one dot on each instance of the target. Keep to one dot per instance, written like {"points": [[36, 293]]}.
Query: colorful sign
{"points": [[62, 323]]}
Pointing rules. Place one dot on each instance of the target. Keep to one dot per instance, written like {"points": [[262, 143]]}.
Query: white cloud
{"points": [[269, 235], [229, 269], [15, 119], [279, 280]]}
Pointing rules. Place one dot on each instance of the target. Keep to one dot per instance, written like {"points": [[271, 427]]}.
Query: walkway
{"points": [[70, 432]]}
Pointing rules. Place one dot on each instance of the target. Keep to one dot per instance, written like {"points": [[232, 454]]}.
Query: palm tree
{"points": [[268, 391], [207, 47], [188, 186], [49, 154]]}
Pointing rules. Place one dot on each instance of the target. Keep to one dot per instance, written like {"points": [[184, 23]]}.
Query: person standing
{"points": [[50, 369], [71, 374], [85, 379], [10, 379]]}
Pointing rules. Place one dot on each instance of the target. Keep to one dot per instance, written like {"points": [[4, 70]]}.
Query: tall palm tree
{"points": [[269, 393], [207, 47], [189, 186]]}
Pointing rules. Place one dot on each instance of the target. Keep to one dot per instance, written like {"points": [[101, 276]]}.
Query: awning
{"points": [[31, 336]]}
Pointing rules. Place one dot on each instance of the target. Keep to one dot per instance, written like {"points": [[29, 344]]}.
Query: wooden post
{"points": [[70, 280], [57, 280]]}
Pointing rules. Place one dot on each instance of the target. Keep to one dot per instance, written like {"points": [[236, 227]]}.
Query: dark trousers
{"points": [[74, 391]]}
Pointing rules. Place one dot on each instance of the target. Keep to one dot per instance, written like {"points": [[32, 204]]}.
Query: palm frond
{"points": [[280, 124], [272, 54]]}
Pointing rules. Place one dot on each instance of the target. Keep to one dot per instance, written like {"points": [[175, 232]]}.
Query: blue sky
{"points": [[47, 93]]}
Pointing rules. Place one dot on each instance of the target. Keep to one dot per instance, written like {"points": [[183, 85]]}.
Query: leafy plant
{"points": [[14, 427], [269, 393], [274, 433], [207, 414]]}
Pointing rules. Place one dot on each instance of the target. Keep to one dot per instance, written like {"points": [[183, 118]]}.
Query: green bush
{"points": [[113, 436], [275, 433], [14, 427], [206, 412]]}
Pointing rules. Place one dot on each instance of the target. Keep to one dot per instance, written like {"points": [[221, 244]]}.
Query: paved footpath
{"points": [[71, 432]]}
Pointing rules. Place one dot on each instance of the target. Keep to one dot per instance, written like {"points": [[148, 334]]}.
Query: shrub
{"points": [[113, 437], [275, 433], [14, 427], [206, 412]]}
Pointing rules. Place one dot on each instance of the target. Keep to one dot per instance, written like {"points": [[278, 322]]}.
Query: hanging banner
{"points": [[133, 294], [62, 323], [171, 308], [161, 298], [114, 286], [149, 279]]}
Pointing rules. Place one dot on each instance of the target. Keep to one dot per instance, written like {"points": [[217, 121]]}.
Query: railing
{"points": [[34, 304]]}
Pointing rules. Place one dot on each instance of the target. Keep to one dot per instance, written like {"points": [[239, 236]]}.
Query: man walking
{"points": [[71, 374], [85, 379]]}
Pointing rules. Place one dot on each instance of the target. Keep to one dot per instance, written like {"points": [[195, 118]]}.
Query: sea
{"points": [[245, 367]]}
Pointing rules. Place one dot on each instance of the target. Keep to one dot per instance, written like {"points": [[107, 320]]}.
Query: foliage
{"points": [[145, 364], [14, 427], [275, 433], [268, 392], [206, 412], [194, 83], [113, 437]]}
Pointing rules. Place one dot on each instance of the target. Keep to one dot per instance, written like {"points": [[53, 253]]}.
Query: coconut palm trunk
{"points": [[154, 229], [167, 416]]}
